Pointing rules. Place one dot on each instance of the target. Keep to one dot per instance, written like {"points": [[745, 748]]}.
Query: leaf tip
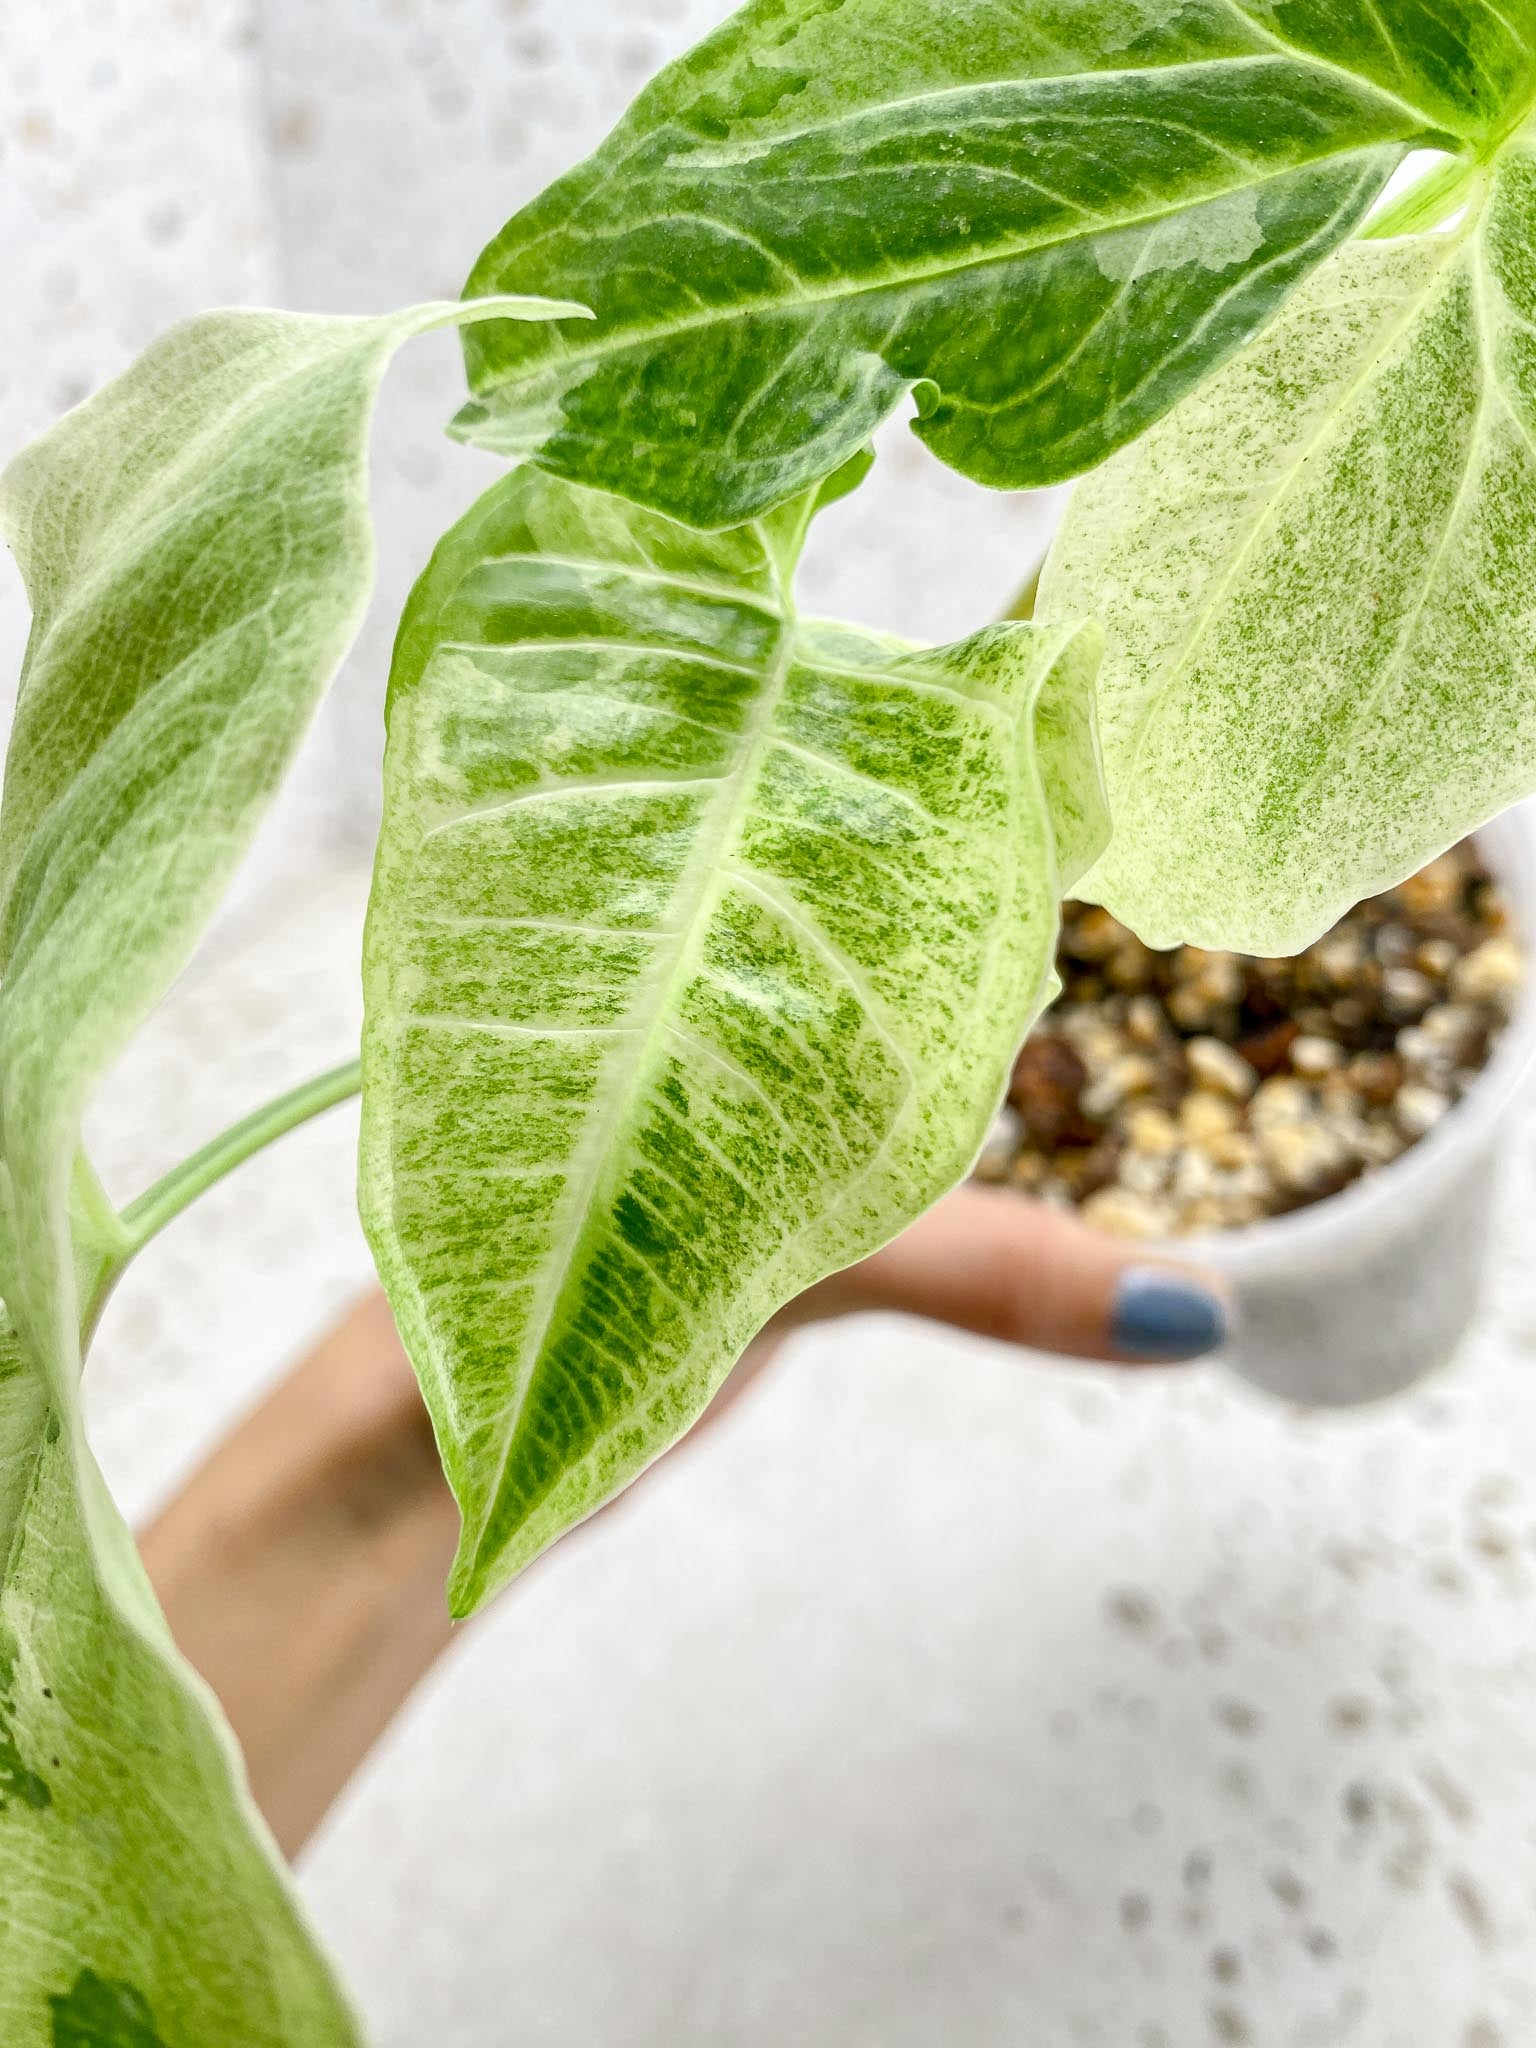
{"points": [[471, 1581]]}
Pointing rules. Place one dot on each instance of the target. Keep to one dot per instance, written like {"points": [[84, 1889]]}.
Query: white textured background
{"points": [[948, 1697]]}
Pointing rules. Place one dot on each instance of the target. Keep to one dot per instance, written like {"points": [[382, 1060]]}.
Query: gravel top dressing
{"points": [[1167, 1093]]}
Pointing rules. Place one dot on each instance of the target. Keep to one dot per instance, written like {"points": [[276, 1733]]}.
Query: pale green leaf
{"points": [[138, 1883], [196, 548], [700, 943], [197, 552], [1048, 220], [139, 1889], [1318, 582]]}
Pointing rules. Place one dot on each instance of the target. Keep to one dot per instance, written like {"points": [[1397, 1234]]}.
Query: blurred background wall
{"points": [[951, 1697]]}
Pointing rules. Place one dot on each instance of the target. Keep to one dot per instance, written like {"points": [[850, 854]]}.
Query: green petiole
{"points": [[148, 1214], [1427, 203], [161, 1204]]}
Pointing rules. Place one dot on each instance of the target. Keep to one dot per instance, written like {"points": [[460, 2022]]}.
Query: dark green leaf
{"points": [[1049, 220]]}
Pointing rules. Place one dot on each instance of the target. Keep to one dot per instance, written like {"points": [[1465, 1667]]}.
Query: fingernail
{"points": [[1160, 1313]]}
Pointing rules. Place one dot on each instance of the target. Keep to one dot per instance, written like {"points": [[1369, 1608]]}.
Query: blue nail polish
{"points": [[1160, 1313]]}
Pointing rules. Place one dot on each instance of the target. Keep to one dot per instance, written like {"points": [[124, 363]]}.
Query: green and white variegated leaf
{"points": [[197, 551], [143, 1904], [1049, 220], [1318, 583], [701, 940]]}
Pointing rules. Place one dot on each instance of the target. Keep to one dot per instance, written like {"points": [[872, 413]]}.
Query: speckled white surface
{"points": [[946, 1696]]}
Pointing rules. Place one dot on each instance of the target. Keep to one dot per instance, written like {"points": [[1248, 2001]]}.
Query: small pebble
{"points": [[1093, 935], [1405, 992], [1418, 1052], [1452, 1025], [1220, 1067], [1029, 1173], [1492, 974], [1128, 1214], [1145, 1023], [1151, 1129], [1313, 1056], [1280, 1101], [1129, 966], [1377, 1077], [1145, 1173], [1204, 1117], [1132, 1074], [1001, 1147], [1420, 1108], [1048, 1079], [1337, 957], [1194, 1174], [1268, 1050], [1436, 958], [1378, 1144], [1433, 889], [1233, 1149], [1095, 1041], [1305, 1159]]}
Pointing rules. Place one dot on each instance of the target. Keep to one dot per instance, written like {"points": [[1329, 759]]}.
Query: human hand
{"points": [[986, 1261], [301, 1568]]}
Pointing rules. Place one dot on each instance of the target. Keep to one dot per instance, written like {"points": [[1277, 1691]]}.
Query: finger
{"points": [[990, 1262]]}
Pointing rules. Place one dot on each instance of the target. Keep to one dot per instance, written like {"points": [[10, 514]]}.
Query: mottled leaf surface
{"points": [[700, 943], [138, 1886], [197, 552], [1318, 581], [140, 1890], [1049, 220]]}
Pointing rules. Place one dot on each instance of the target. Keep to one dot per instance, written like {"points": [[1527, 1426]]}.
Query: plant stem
{"points": [[1426, 203], [1023, 606], [161, 1204]]}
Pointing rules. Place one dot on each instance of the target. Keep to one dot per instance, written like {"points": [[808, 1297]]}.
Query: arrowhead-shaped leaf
{"points": [[1318, 581], [1049, 220], [700, 943]]}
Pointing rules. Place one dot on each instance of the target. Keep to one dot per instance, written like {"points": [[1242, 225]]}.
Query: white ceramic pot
{"points": [[1362, 1294]]}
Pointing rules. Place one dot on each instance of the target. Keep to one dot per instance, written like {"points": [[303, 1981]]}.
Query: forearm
{"points": [[302, 1567]]}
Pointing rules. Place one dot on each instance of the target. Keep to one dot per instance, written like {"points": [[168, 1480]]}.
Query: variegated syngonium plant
{"points": [[702, 934]]}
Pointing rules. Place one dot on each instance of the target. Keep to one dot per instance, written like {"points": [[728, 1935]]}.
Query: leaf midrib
{"points": [[1179, 664], [618, 340], [565, 219], [1491, 391], [716, 834], [851, 1188]]}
